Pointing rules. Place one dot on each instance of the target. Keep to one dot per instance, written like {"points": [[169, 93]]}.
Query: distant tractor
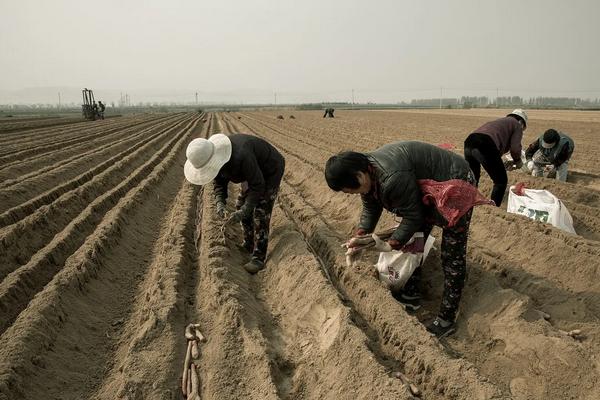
{"points": [[89, 108]]}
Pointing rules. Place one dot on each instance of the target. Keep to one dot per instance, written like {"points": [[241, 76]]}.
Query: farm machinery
{"points": [[89, 108]]}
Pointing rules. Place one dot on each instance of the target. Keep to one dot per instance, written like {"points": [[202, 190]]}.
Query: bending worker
{"points": [[550, 154], [245, 159], [389, 178], [487, 144]]}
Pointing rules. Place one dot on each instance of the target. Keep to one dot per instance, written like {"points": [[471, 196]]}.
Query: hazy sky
{"points": [[245, 50]]}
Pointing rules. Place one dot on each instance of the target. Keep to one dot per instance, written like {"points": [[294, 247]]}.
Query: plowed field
{"points": [[106, 253]]}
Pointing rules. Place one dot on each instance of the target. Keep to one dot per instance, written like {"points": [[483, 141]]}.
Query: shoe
{"points": [[441, 328], [410, 303], [254, 265]]}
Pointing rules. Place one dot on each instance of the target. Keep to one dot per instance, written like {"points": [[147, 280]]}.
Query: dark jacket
{"points": [[556, 155], [396, 169], [255, 161], [506, 133]]}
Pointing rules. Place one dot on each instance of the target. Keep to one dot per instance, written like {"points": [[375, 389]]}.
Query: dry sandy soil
{"points": [[106, 253]]}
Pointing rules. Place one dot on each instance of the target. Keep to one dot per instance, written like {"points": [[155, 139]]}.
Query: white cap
{"points": [[205, 158], [519, 112]]}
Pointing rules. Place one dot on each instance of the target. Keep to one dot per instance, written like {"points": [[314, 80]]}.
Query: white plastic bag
{"points": [[540, 205], [396, 267]]}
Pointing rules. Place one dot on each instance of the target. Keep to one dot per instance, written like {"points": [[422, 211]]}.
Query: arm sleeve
{"points": [[371, 212], [220, 189], [256, 183], [533, 147], [404, 197], [562, 156], [515, 143]]}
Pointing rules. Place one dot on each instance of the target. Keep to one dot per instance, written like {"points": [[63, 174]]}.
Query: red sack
{"points": [[446, 146], [452, 198]]}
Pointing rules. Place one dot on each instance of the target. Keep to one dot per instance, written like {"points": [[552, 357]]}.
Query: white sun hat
{"points": [[519, 112], [205, 158]]}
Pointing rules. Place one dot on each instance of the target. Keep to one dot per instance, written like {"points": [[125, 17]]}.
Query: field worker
{"points": [[550, 153], [388, 178], [102, 107], [487, 144], [248, 160]]}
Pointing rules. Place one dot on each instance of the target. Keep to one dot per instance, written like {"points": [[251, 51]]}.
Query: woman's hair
{"points": [[341, 170]]}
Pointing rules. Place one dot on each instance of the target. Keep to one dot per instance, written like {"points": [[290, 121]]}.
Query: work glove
{"points": [[381, 246], [530, 165], [519, 164], [550, 168], [414, 245], [508, 165], [221, 210], [238, 216]]}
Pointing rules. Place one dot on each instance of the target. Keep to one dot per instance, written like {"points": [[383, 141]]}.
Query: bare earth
{"points": [[106, 253]]}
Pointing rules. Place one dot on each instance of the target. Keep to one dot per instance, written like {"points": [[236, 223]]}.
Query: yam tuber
{"points": [[186, 364]]}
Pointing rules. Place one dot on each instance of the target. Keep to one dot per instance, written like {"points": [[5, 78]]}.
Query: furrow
{"points": [[48, 154], [34, 191], [77, 317], [18, 287]]}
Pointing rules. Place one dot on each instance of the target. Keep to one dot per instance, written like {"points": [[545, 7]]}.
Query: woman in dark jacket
{"points": [[245, 159], [387, 178]]}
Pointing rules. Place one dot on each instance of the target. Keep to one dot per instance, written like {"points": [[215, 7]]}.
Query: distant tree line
{"points": [[507, 101]]}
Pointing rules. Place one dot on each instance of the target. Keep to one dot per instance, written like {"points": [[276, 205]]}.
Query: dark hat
{"points": [[551, 137]]}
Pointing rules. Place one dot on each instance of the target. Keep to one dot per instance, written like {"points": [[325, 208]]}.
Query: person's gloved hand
{"points": [[519, 164], [414, 245], [238, 216], [381, 246], [530, 165], [508, 165], [221, 210], [550, 168]]}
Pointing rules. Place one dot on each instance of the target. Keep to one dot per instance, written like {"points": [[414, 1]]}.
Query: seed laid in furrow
{"points": [[20, 285], [23, 200], [73, 321]]}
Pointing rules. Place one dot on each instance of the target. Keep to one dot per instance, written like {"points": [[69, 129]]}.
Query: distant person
{"points": [[488, 143], [101, 107], [550, 154], [328, 113], [254, 163]]}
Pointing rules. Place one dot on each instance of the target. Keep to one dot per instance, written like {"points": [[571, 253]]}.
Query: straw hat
{"points": [[205, 158]]}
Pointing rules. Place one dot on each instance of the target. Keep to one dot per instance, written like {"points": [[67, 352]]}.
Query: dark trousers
{"points": [[454, 264], [256, 227], [480, 150]]}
